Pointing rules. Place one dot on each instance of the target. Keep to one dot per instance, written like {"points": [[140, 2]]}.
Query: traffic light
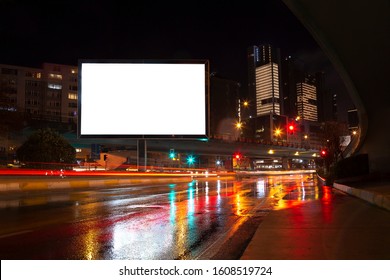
{"points": [[323, 153], [171, 153], [190, 160], [291, 128], [105, 157], [237, 156]]}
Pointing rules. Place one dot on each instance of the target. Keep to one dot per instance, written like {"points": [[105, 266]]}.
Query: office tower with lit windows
{"points": [[264, 94], [307, 99], [297, 84], [264, 80], [292, 73]]}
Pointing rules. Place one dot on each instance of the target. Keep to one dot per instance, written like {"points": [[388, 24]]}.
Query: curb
{"points": [[377, 199]]}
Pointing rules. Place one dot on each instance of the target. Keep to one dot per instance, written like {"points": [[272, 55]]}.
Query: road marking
{"points": [[214, 247]]}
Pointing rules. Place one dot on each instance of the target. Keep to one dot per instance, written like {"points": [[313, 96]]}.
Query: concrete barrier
{"points": [[375, 198]]}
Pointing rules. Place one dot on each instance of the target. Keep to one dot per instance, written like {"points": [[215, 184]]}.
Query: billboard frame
{"points": [[204, 62]]}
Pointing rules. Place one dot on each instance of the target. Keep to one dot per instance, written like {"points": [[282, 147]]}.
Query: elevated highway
{"points": [[209, 147], [219, 147], [355, 37]]}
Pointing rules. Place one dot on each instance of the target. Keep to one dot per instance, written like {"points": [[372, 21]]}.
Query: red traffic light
{"points": [[291, 128], [237, 156], [324, 153]]}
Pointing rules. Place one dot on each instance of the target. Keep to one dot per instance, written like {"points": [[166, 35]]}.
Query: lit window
{"points": [[55, 76], [54, 86], [72, 96]]}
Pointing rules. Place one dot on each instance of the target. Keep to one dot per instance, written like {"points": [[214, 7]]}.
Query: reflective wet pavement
{"points": [[168, 221], [322, 224]]}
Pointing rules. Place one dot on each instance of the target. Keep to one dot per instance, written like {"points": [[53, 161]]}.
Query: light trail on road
{"points": [[185, 220]]}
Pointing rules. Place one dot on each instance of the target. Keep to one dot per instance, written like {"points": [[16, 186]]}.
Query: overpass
{"points": [[355, 37], [221, 147], [212, 147]]}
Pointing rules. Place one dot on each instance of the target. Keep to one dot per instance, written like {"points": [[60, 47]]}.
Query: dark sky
{"points": [[33, 32]]}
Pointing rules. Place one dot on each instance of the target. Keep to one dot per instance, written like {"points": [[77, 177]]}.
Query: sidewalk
{"points": [[333, 228], [377, 193]]}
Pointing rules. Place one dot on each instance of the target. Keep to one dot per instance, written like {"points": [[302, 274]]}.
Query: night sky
{"points": [[33, 32]]}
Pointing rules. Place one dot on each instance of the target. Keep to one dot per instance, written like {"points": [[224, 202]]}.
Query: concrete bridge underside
{"points": [[355, 35]]}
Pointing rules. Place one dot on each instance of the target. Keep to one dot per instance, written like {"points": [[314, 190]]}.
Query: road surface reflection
{"points": [[166, 221]]}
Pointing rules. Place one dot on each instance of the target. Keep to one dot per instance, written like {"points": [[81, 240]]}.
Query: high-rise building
{"points": [[264, 80], [323, 111], [292, 73], [224, 94], [326, 99], [307, 99]]}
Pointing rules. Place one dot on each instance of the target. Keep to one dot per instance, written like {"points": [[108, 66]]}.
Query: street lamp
{"points": [[278, 132], [243, 110], [239, 126]]}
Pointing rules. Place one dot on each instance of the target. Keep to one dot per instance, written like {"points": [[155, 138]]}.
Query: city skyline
{"points": [[62, 33]]}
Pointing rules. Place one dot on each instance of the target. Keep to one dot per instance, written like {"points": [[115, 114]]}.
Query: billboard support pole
{"points": [[141, 155]]}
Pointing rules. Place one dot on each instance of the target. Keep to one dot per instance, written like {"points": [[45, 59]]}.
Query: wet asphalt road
{"points": [[166, 221]]}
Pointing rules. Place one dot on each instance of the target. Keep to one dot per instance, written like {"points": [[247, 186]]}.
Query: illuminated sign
{"points": [[167, 99]]}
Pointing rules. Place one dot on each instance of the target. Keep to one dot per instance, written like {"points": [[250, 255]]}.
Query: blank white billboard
{"points": [[131, 99]]}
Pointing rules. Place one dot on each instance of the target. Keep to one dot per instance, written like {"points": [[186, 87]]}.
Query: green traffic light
{"points": [[190, 159], [172, 154]]}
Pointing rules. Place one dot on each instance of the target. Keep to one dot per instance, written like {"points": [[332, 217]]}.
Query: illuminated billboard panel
{"points": [[143, 99]]}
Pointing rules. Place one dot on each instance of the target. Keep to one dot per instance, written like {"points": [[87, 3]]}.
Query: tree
{"points": [[332, 131], [46, 146]]}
